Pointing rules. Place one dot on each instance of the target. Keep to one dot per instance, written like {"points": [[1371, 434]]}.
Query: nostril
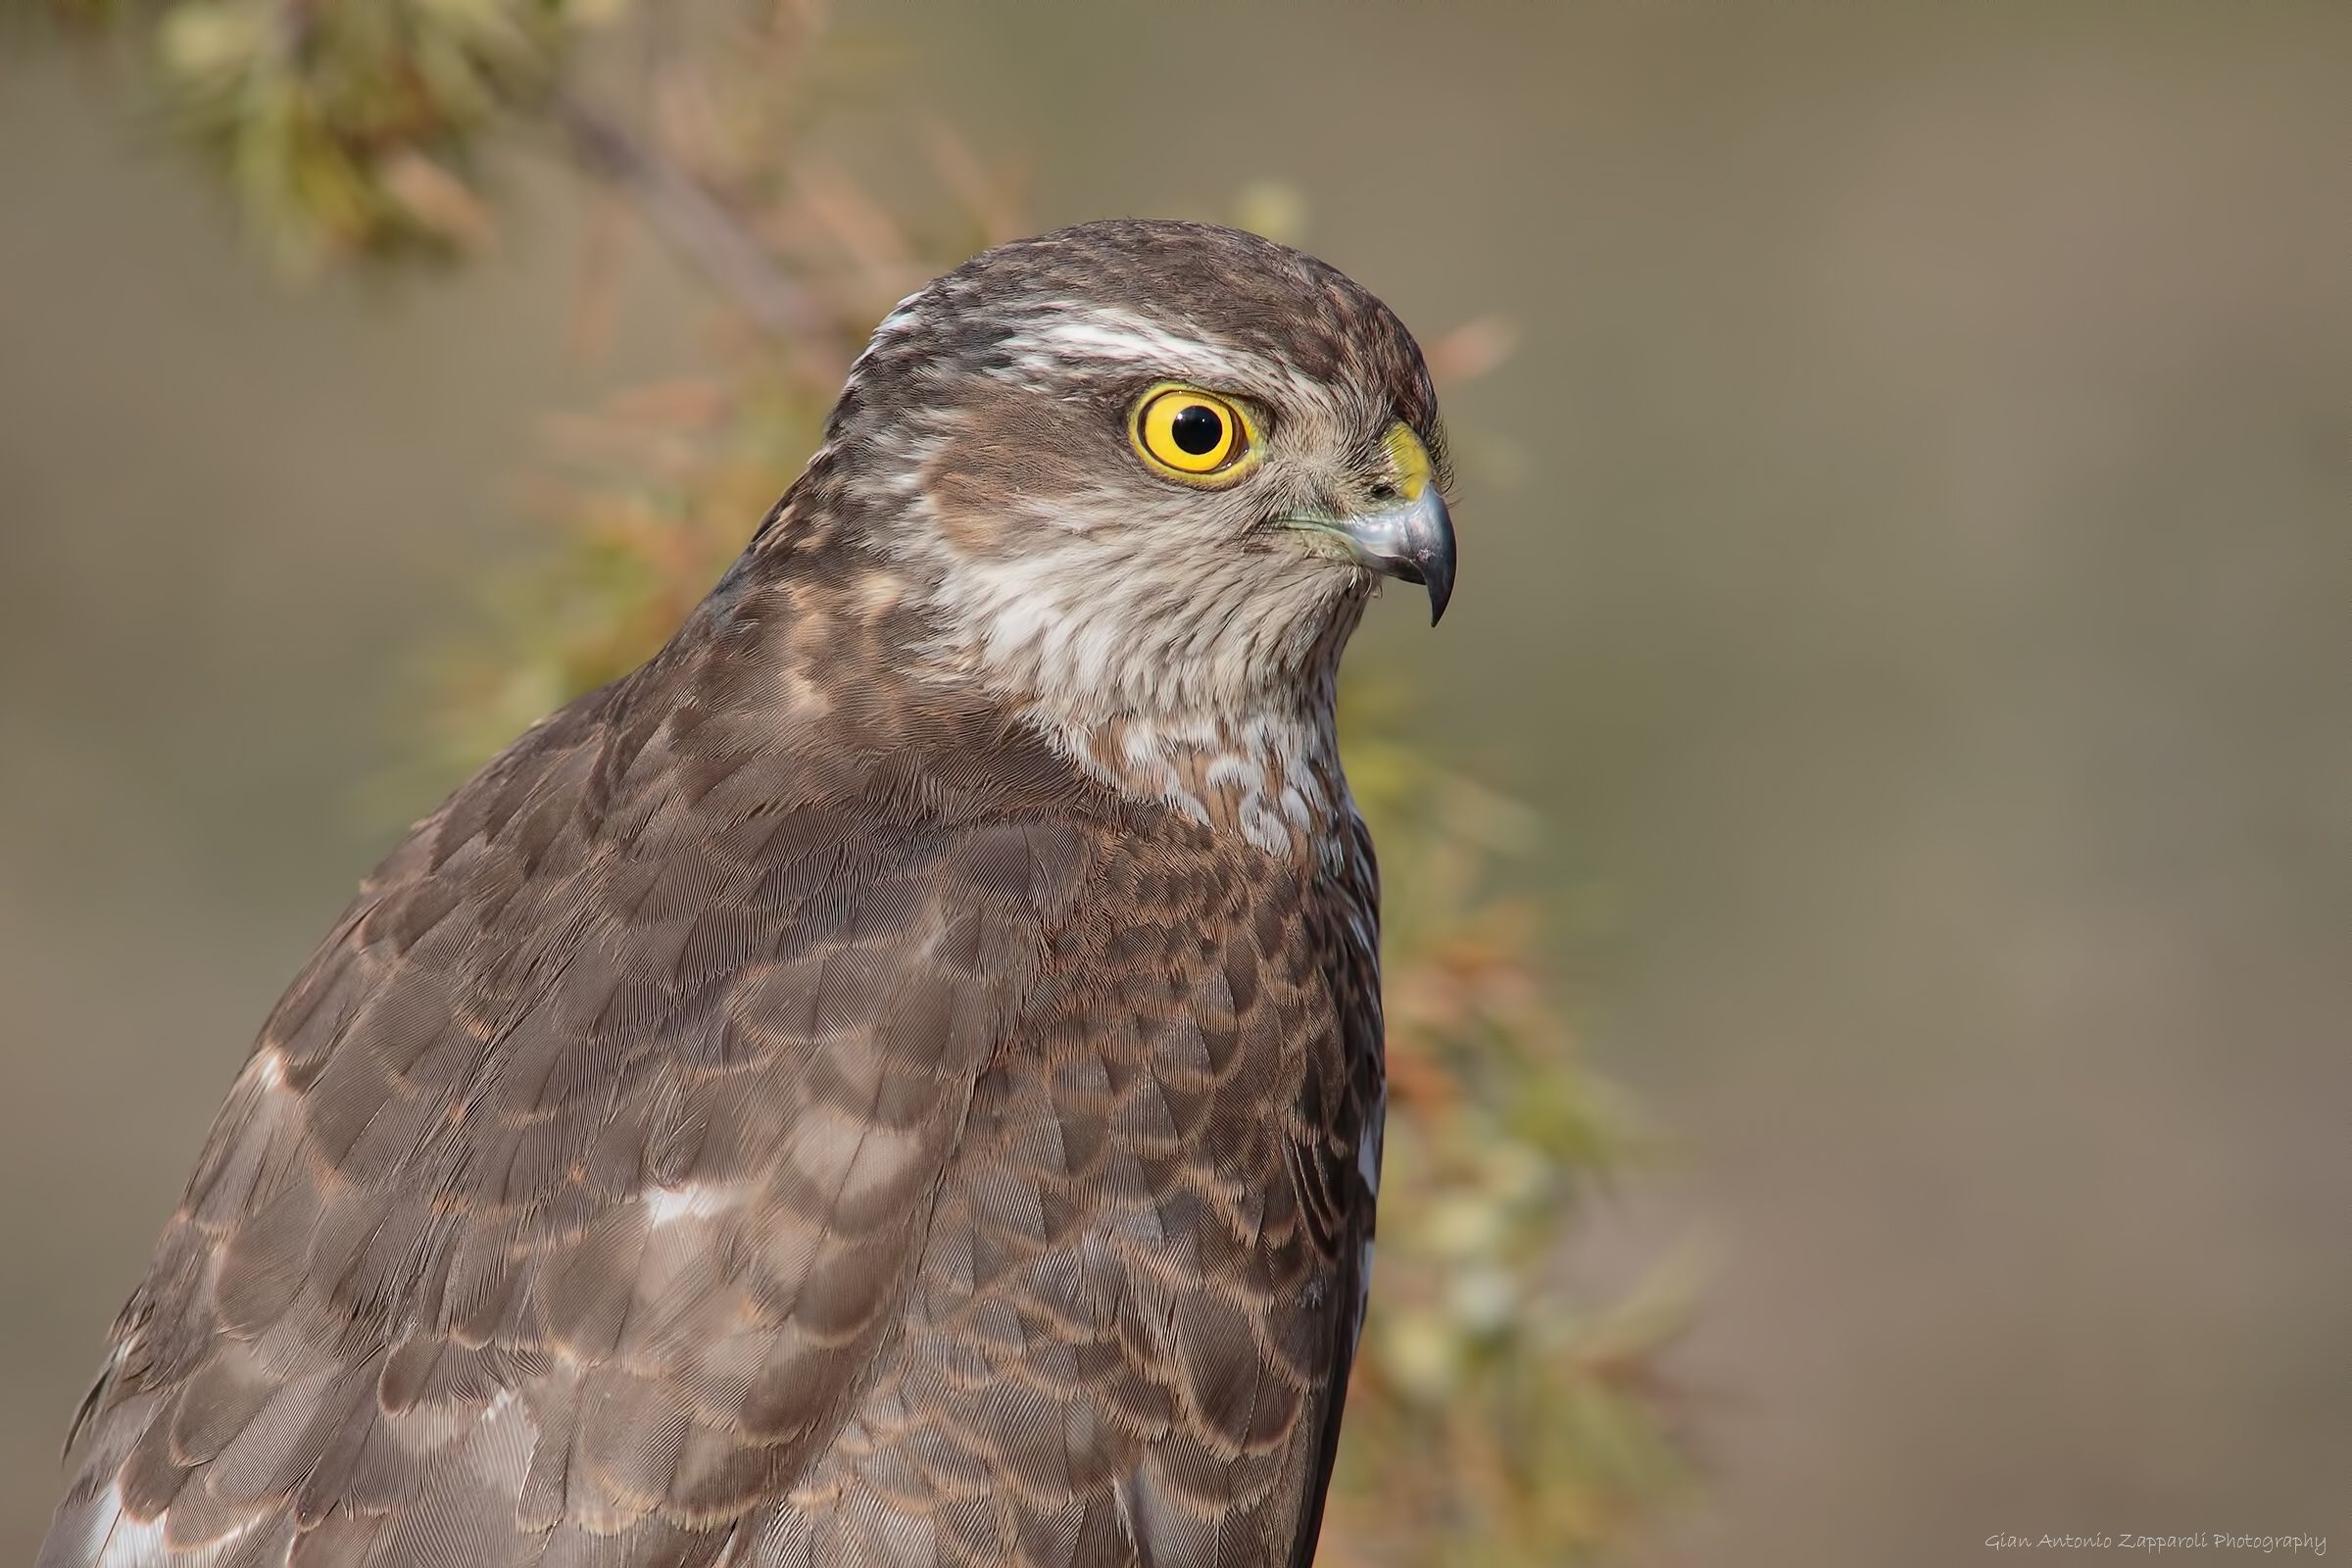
{"points": [[1385, 491]]}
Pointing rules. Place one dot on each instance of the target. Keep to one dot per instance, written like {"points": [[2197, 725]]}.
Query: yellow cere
{"points": [[1410, 459], [1193, 435]]}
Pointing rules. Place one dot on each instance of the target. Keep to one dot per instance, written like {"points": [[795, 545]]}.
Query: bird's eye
{"points": [[1193, 435]]}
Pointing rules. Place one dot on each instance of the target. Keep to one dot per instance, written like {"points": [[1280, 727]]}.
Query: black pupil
{"points": [[1197, 430]]}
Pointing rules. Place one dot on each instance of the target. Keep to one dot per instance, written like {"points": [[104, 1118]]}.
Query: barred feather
{"points": [[802, 1104]]}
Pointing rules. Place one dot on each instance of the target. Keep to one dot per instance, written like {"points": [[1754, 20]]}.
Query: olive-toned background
{"points": [[1908, 563]]}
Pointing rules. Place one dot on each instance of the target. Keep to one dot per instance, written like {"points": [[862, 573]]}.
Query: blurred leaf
{"points": [[353, 130]]}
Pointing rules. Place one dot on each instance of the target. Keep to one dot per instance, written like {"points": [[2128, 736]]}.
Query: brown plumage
{"points": [[896, 1080]]}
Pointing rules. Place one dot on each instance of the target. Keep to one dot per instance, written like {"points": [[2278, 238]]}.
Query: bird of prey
{"points": [[896, 1080]]}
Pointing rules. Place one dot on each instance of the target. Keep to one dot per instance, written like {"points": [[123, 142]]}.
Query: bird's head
{"points": [[1145, 470]]}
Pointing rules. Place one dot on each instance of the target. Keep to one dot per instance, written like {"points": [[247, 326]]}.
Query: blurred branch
{"points": [[702, 228]]}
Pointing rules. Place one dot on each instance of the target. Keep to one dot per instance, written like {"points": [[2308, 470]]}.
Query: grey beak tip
{"points": [[1433, 556]]}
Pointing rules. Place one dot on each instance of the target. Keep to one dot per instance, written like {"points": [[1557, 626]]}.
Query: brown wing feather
{"points": [[571, 1191], [800, 1122]]}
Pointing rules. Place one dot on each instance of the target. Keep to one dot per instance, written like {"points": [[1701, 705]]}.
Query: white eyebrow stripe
{"points": [[1108, 334]]}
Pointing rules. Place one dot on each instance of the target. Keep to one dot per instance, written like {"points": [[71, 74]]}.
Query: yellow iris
{"points": [[1193, 435]]}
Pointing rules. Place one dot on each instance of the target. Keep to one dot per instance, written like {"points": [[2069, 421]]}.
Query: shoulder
{"points": [[670, 1009]]}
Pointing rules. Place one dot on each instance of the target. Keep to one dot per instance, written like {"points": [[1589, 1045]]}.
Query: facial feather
{"points": [[1175, 636]]}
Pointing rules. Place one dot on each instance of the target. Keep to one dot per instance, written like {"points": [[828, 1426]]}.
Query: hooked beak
{"points": [[1412, 541], [1412, 538]]}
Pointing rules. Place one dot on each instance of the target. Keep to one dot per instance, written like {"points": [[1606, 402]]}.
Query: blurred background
{"points": [[1898, 686]]}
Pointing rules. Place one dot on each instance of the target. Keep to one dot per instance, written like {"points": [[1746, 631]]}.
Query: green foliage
{"points": [[354, 129], [1496, 1416]]}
